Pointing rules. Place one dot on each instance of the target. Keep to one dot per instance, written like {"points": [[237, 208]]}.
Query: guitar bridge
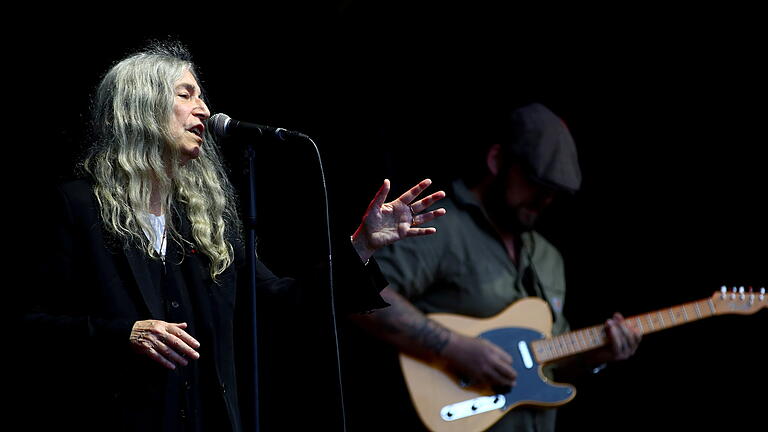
{"points": [[471, 407]]}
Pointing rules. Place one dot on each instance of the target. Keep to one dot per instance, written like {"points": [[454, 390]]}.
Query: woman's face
{"points": [[189, 115]]}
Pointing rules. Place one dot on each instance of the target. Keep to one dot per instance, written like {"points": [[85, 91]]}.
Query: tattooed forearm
{"points": [[432, 336], [407, 326]]}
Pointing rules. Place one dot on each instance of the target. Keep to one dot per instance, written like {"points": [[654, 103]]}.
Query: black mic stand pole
{"points": [[250, 251]]}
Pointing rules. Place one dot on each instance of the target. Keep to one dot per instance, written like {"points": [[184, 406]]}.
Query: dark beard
{"points": [[507, 219]]}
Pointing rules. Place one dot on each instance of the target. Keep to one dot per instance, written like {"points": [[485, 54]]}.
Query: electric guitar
{"points": [[445, 404]]}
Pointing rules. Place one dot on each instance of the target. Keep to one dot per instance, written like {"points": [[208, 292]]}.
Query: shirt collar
{"points": [[464, 197]]}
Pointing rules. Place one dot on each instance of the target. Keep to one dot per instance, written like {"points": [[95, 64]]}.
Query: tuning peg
{"points": [[723, 292], [733, 293], [741, 293], [762, 294]]}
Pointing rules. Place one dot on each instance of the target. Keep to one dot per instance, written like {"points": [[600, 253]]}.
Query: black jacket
{"points": [[79, 310]]}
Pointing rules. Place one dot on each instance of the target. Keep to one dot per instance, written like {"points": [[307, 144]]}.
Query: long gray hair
{"points": [[133, 151]]}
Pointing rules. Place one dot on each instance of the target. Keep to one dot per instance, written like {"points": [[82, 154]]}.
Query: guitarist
{"points": [[487, 257]]}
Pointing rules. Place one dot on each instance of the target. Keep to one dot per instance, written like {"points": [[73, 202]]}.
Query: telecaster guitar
{"points": [[444, 404]]}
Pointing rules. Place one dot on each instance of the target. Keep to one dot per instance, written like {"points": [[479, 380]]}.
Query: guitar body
{"points": [[444, 404]]}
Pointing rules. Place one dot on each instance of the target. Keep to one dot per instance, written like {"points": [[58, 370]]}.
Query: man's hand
{"points": [[479, 362], [622, 341]]}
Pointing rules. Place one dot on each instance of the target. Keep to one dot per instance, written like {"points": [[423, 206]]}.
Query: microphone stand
{"points": [[250, 251]]}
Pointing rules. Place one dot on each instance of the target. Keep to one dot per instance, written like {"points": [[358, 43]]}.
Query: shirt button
{"points": [[175, 304], [182, 414], [187, 385]]}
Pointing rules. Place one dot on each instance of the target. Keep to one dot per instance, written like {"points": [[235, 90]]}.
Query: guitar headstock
{"points": [[739, 300]]}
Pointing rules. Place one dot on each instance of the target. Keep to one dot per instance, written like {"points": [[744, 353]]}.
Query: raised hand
{"points": [[387, 222]]}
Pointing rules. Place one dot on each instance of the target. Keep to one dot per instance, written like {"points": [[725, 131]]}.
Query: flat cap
{"points": [[541, 140]]}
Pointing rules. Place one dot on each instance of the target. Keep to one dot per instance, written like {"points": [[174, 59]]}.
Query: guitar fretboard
{"points": [[589, 338]]}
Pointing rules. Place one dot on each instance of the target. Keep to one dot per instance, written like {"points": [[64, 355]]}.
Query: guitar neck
{"points": [[589, 338]]}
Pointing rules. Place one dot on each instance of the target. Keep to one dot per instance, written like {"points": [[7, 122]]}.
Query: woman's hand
{"points": [[385, 223], [165, 343]]}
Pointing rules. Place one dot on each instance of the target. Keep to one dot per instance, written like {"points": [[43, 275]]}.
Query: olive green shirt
{"points": [[465, 269]]}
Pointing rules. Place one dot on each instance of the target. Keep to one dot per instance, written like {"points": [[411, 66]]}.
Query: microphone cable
{"points": [[331, 288]]}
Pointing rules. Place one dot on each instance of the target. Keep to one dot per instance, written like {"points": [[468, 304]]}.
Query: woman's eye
{"points": [[184, 95]]}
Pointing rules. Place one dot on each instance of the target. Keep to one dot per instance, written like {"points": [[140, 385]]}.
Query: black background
{"points": [[667, 109]]}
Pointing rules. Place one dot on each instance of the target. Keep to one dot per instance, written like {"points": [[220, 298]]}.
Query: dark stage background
{"points": [[666, 110]]}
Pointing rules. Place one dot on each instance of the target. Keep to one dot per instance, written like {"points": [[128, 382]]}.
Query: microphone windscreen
{"points": [[218, 124]]}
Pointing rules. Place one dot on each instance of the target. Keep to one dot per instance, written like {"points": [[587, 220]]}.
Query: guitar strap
{"points": [[530, 279], [530, 282]]}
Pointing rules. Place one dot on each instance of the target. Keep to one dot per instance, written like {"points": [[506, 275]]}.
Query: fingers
{"points": [[479, 362], [156, 356], [615, 335], [504, 373], [503, 356], [630, 338], [624, 340], [417, 207], [426, 202], [188, 340], [427, 217], [413, 192], [421, 219], [415, 232], [165, 343], [169, 355], [381, 195], [500, 372], [184, 345]]}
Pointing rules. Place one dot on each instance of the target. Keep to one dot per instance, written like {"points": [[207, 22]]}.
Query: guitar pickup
{"points": [[471, 407], [525, 354]]}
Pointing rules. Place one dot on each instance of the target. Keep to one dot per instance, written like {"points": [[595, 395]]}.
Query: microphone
{"points": [[223, 125]]}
